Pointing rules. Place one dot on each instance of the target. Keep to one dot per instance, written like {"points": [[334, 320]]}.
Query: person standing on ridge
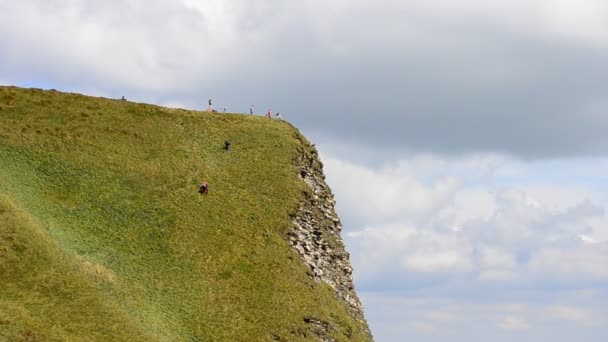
{"points": [[251, 110], [269, 113]]}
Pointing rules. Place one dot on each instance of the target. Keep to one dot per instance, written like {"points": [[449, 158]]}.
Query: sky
{"points": [[465, 141]]}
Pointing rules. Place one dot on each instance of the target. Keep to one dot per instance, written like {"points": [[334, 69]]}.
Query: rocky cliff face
{"points": [[315, 236]]}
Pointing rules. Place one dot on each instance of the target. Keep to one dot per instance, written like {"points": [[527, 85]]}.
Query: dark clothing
{"points": [[204, 188]]}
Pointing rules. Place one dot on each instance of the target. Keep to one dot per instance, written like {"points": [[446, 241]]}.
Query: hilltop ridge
{"points": [[104, 236]]}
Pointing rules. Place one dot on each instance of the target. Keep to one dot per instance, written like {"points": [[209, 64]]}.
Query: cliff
{"points": [[104, 236], [315, 236]]}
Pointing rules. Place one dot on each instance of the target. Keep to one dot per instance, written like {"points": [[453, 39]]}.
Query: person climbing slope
{"points": [[203, 188]]}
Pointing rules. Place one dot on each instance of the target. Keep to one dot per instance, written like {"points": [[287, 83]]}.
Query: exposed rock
{"points": [[320, 329], [315, 236]]}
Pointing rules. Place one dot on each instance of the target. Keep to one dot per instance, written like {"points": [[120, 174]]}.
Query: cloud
{"points": [[436, 253], [598, 228], [447, 77], [113, 44], [574, 314], [512, 248], [428, 317], [416, 227], [497, 265], [556, 19], [514, 323], [585, 317], [381, 195], [586, 261], [496, 258], [423, 327], [443, 316]]}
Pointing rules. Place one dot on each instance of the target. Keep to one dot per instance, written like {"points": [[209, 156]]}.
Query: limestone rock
{"points": [[315, 236]]}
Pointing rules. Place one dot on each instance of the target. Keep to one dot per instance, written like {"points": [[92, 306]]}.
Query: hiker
{"points": [[210, 102], [278, 115], [251, 110], [204, 188], [269, 113], [227, 145], [224, 109]]}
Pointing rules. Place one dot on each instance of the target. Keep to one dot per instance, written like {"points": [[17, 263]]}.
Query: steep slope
{"points": [[103, 235]]}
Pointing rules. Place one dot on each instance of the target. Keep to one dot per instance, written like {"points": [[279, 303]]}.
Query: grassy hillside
{"points": [[104, 236]]}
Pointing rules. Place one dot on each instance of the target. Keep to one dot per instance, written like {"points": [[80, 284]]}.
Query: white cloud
{"points": [[381, 247], [587, 239], [586, 261], [429, 252], [423, 327], [598, 231], [443, 316], [493, 257], [514, 323], [472, 204], [547, 318], [574, 314], [498, 276], [382, 195], [148, 45], [565, 19], [497, 265], [554, 197], [573, 19], [416, 221]]}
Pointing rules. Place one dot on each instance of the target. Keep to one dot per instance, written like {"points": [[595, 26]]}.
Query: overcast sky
{"points": [[478, 128]]}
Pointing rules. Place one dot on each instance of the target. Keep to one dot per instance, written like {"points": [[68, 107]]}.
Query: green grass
{"points": [[104, 236]]}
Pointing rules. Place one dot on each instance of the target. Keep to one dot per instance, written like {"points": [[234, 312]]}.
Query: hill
{"points": [[103, 235]]}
